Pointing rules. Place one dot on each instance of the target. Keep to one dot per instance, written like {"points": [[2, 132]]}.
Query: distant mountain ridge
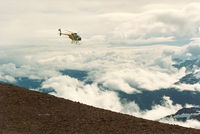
{"points": [[192, 67], [188, 64], [189, 79], [185, 114]]}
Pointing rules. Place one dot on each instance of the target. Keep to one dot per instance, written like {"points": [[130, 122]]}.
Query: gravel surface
{"points": [[28, 112]]}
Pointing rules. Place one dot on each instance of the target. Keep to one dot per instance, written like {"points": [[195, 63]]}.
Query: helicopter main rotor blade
{"points": [[69, 31]]}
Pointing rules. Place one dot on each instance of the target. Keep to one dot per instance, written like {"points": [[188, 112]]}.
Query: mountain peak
{"points": [[185, 114]]}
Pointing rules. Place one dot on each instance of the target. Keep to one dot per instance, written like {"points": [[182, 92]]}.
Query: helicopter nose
{"points": [[79, 38]]}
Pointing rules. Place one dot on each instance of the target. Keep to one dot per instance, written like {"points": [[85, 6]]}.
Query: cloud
{"points": [[194, 50], [154, 25], [108, 30], [189, 51], [145, 22], [128, 69], [75, 90], [71, 88], [7, 78], [160, 111], [157, 111], [188, 123], [189, 87]]}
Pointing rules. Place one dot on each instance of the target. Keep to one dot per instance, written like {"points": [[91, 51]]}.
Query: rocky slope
{"points": [[28, 112]]}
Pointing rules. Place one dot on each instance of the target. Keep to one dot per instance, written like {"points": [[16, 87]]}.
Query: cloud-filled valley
{"points": [[122, 79]]}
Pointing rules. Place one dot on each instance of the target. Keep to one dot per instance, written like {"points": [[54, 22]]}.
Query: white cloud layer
{"points": [[127, 69], [73, 89], [157, 112]]}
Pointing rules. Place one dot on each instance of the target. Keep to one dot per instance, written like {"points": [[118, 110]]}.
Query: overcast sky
{"points": [[132, 22]]}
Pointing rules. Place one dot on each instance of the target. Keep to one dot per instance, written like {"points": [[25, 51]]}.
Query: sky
{"points": [[127, 45], [129, 22]]}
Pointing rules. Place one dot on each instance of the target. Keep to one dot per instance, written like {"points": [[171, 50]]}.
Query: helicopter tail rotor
{"points": [[60, 32]]}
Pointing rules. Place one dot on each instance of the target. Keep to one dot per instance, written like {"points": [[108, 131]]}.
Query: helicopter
{"points": [[73, 36]]}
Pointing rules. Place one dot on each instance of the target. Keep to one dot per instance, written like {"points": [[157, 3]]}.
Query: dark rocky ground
{"points": [[28, 112]]}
